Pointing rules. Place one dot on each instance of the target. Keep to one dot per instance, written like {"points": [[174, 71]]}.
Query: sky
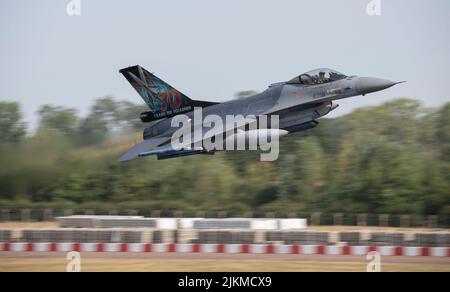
{"points": [[210, 50]]}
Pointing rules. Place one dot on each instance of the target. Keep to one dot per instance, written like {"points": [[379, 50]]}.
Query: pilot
{"points": [[322, 78]]}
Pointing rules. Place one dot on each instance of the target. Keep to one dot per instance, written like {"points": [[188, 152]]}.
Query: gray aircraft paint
{"points": [[298, 106]]}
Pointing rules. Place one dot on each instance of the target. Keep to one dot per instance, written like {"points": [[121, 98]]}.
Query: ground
{"points": [[96, 262], [41, 261]]}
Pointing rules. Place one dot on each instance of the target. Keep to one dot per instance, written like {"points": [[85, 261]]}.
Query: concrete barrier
{"points": [[83, 235], [226, 248], [88, 221], [5, 235]]}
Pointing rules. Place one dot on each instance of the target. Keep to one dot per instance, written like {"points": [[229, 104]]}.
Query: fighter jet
{"points": [[298, 103]]}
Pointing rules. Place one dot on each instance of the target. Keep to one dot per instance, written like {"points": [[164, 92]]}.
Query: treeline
{"points": [[393, 158]]}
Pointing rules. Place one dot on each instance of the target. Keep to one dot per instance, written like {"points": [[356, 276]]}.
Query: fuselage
{"points": [[295, 102], [182, 126]]}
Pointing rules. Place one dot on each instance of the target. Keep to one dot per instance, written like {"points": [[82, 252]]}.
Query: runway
{"points": [[243, 257], [185, 262]]}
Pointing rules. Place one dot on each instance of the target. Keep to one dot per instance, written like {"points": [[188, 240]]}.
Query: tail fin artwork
{"points": [[163, 100]]}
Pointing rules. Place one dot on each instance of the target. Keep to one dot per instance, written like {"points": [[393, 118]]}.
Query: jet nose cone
{"points": [[366, 85]]}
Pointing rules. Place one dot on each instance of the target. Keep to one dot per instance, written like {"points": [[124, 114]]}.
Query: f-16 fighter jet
{"points": [[296, 103]]}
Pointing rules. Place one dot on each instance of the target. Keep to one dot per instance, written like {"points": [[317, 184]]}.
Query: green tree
{"points": [[12, 128], [58, 119], [246, 93]]}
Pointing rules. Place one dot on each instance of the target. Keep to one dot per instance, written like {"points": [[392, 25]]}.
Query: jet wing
{"points": [[162, 148], [144, 146]]}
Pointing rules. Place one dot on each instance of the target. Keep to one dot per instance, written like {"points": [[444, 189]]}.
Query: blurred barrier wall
{"points": [[315, 219], [226, 248], [88, 221], [198, 236]]}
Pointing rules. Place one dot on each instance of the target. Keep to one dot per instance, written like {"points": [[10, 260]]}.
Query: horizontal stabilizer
{"points": [[142, 147]]}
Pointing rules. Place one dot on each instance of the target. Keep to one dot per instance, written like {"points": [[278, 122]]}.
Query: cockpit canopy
{"points": [[318, 76]]}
